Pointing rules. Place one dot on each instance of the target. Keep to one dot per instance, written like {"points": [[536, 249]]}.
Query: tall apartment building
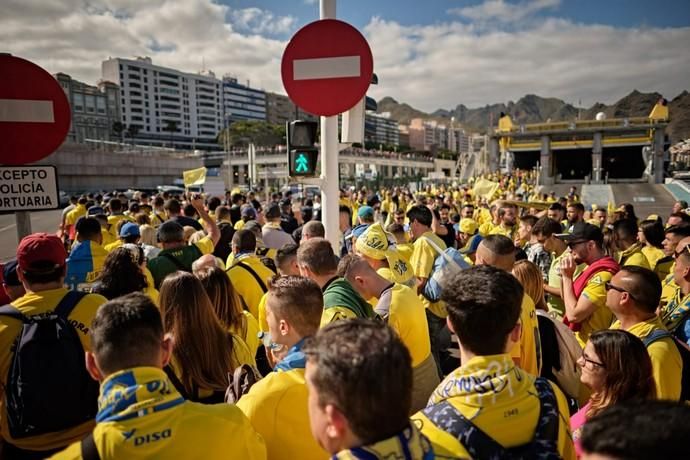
{"points": [[94, 108], [280, 109], [430, 134], [381, 129], [241, 102], [157, 99]]}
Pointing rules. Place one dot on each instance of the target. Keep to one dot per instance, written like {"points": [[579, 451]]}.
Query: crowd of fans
{"points": [[451, 322]]}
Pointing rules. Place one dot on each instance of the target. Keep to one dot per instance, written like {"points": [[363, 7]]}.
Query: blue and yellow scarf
{"points": [[135, 393]]}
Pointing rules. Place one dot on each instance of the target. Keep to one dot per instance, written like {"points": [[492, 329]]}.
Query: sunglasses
{"points": [[610, 286], [677, 254]]}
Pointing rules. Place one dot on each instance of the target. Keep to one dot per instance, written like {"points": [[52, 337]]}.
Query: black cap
{"points": [[272, 211], [582, 231]]}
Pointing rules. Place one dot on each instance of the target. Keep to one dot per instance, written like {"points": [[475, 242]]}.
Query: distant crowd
{"points": [[489, 320]]}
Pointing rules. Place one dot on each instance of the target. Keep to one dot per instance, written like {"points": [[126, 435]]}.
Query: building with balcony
{"points": [[241, 102], [94, 109], [379, 128], [167, 107]]}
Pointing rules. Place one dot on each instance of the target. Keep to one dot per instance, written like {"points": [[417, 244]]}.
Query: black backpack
{"points": [[544, 446], [659, 334], [48, 388]]}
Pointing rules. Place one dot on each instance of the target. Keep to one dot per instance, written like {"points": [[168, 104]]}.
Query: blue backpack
{"points": [[448, 262]]}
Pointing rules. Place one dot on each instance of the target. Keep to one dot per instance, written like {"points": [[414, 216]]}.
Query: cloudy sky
{"points": [[430, 53]]}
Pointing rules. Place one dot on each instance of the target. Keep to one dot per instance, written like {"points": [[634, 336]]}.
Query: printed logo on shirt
{"points": [[148, 438]]}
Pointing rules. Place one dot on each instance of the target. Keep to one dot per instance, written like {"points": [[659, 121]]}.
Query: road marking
{"points": [[335, 67], [7, 227], [26, 111]]}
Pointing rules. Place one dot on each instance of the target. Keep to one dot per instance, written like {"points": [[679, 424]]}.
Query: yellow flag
{"points": [[610, 208], [485, 188], [194, 176]]}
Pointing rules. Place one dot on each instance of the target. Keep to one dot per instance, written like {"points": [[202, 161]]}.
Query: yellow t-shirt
{"points": [[114, 220], [668, 288], [653, 255], [250, 334], [114, 245], [422, 261], [185, 431], [528, 349], [263, 324], [406, 316], [633, 256], [602, 317], [277, 408], [107, 237], [246, 285], [502, 402], [667, 365], [500, 230], [73, 216], [33, 303], [486, 228]]}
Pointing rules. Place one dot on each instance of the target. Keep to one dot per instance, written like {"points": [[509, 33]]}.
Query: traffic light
{"points": [[302, 152]]}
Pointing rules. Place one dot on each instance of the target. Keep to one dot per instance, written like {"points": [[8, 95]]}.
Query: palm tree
{"points": [[119, 129], [171, 127]]}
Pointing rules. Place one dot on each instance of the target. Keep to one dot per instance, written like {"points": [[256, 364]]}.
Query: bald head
{"points": [[497, 251], [313, 229], [204, 262]]}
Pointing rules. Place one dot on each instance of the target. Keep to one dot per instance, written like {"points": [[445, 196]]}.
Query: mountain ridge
{"points": [[532, 108]]}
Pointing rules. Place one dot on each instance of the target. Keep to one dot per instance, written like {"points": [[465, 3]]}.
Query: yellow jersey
{"points": [[142, 416], [602, 317], [422, 261], [667, 365], [241, 275], [500, 399], [528, 349]]}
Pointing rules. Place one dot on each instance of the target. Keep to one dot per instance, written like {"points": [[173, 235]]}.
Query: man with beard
{"points": [[506, 221], [584, 295]]}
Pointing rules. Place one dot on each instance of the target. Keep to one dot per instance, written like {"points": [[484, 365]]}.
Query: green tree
{"points": [[132, 131], [171, 127], [119, 129], [259, 133]]}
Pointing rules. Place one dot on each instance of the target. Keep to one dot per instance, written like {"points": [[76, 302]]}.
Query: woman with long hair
{"points": [[228, 306], [121, 273], [616, 368], [204, 352], [559, 347]]}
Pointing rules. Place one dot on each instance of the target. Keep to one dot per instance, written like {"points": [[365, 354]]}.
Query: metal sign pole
{"points": [[23, 220], [330, 194]]}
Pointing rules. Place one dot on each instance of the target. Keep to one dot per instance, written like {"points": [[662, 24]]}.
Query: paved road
{"points": [[41, 221]]}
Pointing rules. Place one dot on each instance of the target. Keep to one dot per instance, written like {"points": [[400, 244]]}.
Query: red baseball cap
{"points": [[41, 253]]}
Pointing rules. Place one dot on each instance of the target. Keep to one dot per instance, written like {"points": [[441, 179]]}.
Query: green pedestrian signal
{"points": [[301, 163], [301, 149]]}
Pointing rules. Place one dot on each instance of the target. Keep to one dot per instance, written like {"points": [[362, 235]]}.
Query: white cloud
{"points": [[75, 36], [429, 66], [502, 11], [442, 65], [256, 20]]}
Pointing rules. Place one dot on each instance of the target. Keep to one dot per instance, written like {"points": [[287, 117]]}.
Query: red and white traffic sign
{"points": [[34, 112], [327, 67]]}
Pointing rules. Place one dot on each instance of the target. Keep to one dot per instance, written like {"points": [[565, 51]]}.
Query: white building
{"points": [[166, 106]]}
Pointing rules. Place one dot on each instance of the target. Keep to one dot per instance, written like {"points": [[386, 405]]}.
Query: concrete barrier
{"points": [[82, 167]]}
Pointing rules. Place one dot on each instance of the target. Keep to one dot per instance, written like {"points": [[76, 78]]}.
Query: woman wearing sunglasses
{"points": [[615, 368]]}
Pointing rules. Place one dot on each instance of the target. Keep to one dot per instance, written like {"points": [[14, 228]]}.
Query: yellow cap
{"points": [[379, 245], [468, 226]]}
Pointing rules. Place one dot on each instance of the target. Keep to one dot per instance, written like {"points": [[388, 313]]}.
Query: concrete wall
{"points": [[83, 168]]}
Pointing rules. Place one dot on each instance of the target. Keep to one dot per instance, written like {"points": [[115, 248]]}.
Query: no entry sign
{"points": [[327, 67], [34, 112]]}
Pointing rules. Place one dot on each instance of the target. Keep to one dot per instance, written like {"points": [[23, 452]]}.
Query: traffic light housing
{"points": [[302, 152]]}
